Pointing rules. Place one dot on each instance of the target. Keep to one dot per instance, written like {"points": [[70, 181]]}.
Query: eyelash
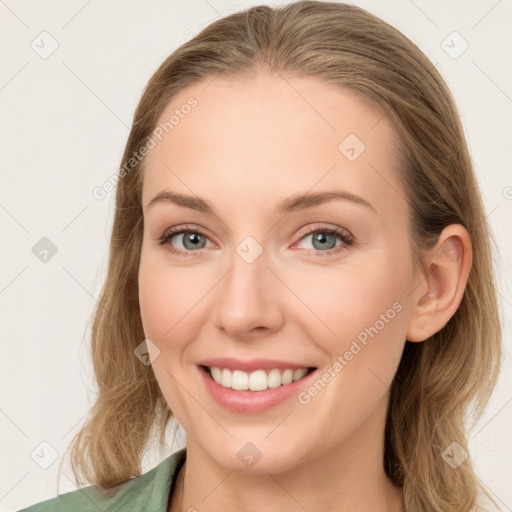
{"points": [[347, 239]]}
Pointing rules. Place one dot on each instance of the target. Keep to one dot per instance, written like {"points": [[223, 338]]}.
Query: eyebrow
{"points": [[291, 204]]}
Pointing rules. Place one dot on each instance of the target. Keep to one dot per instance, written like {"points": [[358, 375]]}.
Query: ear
{"points": [[448, 265]]}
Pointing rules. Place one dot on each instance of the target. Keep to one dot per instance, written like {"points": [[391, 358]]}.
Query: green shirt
{"points": [[150, 492]]}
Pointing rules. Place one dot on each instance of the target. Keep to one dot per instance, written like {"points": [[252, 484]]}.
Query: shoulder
{"points": [[149, 492]]}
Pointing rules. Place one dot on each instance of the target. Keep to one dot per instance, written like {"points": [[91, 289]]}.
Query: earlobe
{"points": [[448, 267]]}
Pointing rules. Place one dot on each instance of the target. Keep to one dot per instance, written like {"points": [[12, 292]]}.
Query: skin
{"points": [[248, 145]]}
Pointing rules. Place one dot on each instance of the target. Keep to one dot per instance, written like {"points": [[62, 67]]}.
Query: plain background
{"points": [[65, 121]]}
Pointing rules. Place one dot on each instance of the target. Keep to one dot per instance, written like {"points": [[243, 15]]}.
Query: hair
{"points": [[440, 383]]}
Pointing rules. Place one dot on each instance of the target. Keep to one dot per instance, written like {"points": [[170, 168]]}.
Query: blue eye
{"points": [[323, 238], [190, 240]]}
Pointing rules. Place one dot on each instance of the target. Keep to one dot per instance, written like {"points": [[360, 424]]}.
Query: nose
{"points": [[249, 300]]}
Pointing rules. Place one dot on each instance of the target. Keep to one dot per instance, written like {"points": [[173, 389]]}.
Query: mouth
{"points": [[257, 380]]}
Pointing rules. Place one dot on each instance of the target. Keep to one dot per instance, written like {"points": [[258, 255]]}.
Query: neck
{"points": [[349, 477]]}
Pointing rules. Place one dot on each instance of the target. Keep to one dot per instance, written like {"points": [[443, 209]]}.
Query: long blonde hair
{"points": [[438, 381]]}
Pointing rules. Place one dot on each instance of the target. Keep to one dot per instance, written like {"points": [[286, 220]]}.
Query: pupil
{"points": [[193, 238], [321, 237]]}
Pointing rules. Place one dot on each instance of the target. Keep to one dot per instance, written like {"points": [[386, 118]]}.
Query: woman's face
{"points": [[260, 283]]}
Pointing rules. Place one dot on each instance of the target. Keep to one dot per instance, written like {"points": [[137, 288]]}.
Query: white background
{"points": [[65, 121]]}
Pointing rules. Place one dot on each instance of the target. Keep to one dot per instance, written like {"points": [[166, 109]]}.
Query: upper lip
{"points": [[251, 364]]}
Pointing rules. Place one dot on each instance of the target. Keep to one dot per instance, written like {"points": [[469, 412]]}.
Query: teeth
{"points": [[258, 380], [274, 378], [216, 374], [239, 380], [287, 377], [225, 379]]}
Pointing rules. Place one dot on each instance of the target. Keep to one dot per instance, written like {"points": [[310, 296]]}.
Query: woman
{"points": [[300, 273]]}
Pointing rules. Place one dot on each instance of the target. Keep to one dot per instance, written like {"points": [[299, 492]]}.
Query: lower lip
{"points": [[251, 401]]}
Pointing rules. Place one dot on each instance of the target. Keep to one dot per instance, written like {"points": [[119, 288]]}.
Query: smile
{"points": [[258, 380], [253, 386]]}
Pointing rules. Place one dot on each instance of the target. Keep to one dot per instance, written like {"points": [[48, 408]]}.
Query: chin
{"points": [[259, 456]]}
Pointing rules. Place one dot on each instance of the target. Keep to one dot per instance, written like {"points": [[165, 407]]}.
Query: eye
{"points": [[189, 239], [324, 239]]}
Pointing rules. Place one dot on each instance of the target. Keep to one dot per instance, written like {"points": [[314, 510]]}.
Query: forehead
{"points": [[271, 136]]}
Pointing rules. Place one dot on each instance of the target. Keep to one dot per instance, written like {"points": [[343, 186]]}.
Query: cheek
{"points": [[171, 301], [357, 311], [157, 297], [362, 333], [153, 301], [166, 301]]}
